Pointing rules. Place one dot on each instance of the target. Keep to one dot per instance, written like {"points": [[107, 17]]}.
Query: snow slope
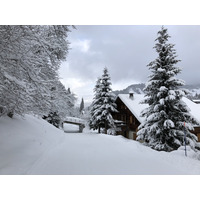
{"points": [[33, 146], [24, 141]]}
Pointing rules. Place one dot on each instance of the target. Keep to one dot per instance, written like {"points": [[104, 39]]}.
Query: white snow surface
{"points": [[33, 146], [135, 106], [194, 108]]}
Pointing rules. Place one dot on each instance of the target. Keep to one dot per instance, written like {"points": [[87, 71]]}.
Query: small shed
{"points": [[73, 124]]}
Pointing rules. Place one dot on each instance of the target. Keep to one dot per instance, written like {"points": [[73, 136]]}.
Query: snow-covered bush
{"points": [[53, 118], [111, 131]]}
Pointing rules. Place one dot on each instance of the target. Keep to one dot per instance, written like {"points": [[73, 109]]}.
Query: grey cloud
{"points": [[127, 50]]}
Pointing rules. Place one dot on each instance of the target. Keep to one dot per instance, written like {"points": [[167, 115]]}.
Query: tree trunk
{"points": [[99, 129], [106, 127]]}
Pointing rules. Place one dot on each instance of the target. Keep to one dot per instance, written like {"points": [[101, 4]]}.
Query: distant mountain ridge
{"points": [[139, 89]]}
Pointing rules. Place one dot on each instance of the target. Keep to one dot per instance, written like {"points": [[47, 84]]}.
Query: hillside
{"points": [[33, 146], [138, 89]]}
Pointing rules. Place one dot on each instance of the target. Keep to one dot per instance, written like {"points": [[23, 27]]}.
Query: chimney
{"points": [[131, 94]]}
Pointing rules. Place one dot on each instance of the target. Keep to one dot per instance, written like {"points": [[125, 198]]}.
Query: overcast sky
{"points": [[125, 51]]}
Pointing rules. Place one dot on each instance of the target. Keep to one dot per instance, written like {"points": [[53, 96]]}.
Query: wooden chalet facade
{"points": [[128, 117], [197, 132], [126, 120], [127, 123]]}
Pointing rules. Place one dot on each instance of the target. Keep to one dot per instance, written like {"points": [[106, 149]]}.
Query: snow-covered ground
{"points": [[33, 146]]}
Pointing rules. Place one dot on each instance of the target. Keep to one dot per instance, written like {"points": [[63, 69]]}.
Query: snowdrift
{"points": [[23, 141], [33, 146]]}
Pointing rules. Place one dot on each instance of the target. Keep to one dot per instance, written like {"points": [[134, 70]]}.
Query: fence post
{"points": [[185, 139]]}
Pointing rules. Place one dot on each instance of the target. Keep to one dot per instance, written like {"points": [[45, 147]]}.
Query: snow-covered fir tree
{"points": [[81, 106], [94, 121], [104, 104], [163, 128]]}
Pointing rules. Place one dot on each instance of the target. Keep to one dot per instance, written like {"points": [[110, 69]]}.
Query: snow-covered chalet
{"points": [[129, 117]]}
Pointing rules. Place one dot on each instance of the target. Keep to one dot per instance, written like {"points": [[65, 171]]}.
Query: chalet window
{"points": [[135, 121], [123, 106], [131, 119], [123, 118]]}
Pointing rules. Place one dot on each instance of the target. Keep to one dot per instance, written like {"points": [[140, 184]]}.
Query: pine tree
{"points": [[163, 128], [69, 90], [81, 106], [94, 122], [104, 104]]}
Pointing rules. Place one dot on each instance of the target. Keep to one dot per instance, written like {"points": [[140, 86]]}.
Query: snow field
{"points": [[33, 146], [24, 141]]}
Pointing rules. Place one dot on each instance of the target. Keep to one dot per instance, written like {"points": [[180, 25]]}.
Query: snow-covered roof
{"points": [[194, 108], [74, 119], [196, 100], [136, 107], [134, 104]]}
